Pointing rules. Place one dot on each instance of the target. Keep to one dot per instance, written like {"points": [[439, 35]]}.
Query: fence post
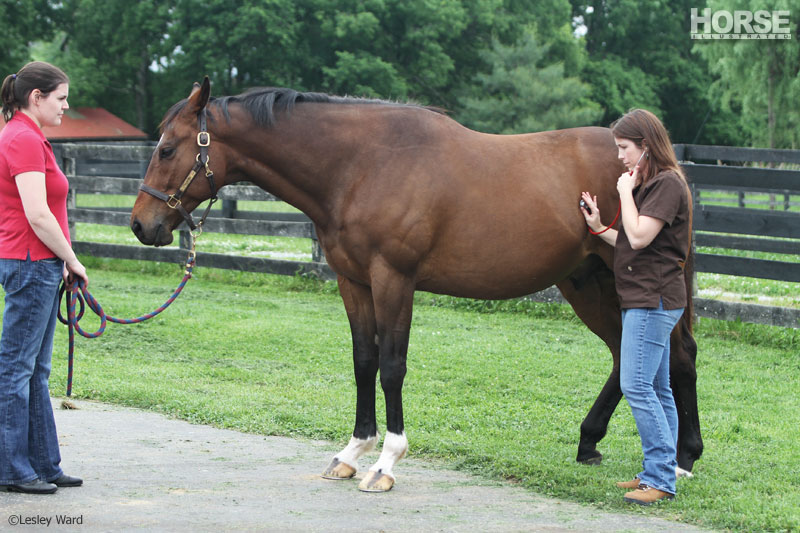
{"points": [[692, 248], [317, 255], [70, 170], [185, 239], [228, 208]]}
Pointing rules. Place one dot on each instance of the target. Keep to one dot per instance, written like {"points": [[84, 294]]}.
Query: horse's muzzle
{"points": [[155, 235]]}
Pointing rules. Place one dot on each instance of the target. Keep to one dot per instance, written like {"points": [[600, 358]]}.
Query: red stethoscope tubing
{"points": [[619, 209]]}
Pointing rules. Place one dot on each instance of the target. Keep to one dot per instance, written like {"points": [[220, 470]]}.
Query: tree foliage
{"points": [[518, 96], [759, 78], [24, 21], [641, 56], [590, 60]]}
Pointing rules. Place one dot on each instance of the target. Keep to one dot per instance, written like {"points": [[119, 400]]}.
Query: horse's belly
{"points": [[508, 275]]}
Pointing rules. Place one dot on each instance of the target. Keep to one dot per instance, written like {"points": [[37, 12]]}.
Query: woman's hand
{"points": [[593, 215], [74, 269], [627, 181]]}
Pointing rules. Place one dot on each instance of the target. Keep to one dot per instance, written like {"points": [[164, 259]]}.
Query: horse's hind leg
{"points": [[361, 314], [591, 292], [683, 379]]}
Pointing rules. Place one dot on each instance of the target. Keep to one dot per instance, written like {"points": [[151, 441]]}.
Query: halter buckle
{"points": [[173, 201], [203, 138]]}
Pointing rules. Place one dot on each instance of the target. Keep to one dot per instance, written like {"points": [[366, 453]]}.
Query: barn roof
{"points": [[91, 123]]}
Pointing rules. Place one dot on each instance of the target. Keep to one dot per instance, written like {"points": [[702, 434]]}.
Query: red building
{"points": [[91, 124]]}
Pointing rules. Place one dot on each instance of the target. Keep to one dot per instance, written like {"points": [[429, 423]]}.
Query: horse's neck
{"points": [[300, 165]]}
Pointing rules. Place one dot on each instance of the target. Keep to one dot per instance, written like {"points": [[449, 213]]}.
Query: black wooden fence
{"points": [[743, 172], [117, 169]]}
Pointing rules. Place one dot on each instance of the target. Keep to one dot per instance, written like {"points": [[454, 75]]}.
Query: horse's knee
{"points": [[365, 365]]}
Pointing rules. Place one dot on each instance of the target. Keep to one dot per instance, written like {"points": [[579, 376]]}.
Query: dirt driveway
{"points": [[146, 472]]}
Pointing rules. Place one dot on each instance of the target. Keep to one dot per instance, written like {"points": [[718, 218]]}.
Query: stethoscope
{"points": [[619, 209]]}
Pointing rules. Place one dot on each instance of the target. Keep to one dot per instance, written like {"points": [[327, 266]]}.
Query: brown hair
{"points": [[644, 129], [35, 75]]}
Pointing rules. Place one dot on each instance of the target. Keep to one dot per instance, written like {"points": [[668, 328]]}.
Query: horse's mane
{"points": [[263, 103]]}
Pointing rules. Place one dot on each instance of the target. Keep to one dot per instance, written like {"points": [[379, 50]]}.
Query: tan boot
{"points": [[632, 484], [645, 495]]}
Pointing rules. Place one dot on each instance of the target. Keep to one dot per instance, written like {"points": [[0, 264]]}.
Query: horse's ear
{"points": [[199, 96]]}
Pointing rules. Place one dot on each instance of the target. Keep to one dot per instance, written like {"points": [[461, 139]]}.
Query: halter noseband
{"points": [[174, 200]]}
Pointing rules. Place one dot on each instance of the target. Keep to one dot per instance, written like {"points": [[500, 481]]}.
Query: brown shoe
{"points": [[645, 495], [632, 484]]}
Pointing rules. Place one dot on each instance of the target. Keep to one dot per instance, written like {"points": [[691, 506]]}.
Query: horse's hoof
{"points": [[376, 482], [338, 470], [595, 458]]}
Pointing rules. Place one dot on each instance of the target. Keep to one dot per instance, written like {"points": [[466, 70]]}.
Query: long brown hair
{"points": [[648, 133], [35, 75]]}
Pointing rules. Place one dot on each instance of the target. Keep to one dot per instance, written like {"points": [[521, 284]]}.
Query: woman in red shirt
{"points": [[35, 254], [650, 251]]}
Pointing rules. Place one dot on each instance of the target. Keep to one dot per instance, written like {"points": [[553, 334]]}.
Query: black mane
{"points": [[263, 103]]}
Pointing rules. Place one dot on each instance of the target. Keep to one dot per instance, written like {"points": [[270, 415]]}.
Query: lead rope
{"points": [[78, 293]]}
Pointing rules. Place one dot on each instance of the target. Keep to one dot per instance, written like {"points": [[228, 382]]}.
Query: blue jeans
{"points": [[28, 439], [644, 378]]}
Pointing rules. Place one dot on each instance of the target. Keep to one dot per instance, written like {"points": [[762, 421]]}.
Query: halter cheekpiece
{"points": [[201, 161]]}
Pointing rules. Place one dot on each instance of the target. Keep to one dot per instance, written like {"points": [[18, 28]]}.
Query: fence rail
{"points": [[735, 228]]}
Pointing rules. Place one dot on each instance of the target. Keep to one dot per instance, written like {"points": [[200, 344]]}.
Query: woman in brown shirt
{"points": [[650, 251]]}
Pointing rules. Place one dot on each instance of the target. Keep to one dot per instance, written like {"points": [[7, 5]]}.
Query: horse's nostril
{"points": [[136, 227]]}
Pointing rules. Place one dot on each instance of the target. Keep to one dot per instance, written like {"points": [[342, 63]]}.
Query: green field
{"points": [[497, 388]]}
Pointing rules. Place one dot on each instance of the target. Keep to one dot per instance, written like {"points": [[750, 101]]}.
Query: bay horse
{"points": [[404, 198]]}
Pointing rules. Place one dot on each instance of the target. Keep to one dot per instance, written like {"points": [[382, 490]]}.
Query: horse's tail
{"points": [[688, 271], [688, 274], [687, 320]]}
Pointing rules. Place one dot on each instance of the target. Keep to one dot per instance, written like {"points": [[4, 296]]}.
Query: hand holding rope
{"points": [[80, 295]]}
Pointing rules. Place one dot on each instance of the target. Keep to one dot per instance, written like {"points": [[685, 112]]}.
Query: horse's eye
{"points": [[166, 152]]}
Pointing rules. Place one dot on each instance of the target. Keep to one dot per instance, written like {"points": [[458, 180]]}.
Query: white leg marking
{"points": [[680, 472], [355, 449], [394, 448]]}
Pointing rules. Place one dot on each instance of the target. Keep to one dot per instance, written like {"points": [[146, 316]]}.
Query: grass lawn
{"points": [[499, 389]]}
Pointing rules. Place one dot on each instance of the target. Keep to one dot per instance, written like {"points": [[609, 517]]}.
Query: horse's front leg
{"points": [[361, 314], [394, 296]]}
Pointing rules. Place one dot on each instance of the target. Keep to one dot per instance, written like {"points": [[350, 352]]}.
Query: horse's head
{"points": [[179, 176]]}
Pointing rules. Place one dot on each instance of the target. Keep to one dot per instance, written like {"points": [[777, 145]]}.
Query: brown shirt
{"points": [[655, 272]]}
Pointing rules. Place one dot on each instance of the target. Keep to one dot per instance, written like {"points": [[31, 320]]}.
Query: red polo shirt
{"points": [[24, 148]]}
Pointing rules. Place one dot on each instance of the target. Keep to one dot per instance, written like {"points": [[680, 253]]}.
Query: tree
{"points": [[137, 58], [761, 78], [640, 55], [394, 48], [518, 96], [107, 48], [24, 21], [237, 43]]}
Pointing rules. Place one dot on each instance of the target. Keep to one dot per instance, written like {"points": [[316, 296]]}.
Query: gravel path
{"points": [[146, 472]]}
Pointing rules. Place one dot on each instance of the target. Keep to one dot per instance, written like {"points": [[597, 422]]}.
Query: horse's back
{"points": [[463, 212], [506, 210]]}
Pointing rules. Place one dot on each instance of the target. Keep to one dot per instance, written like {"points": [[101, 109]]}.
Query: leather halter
{"points": [[174, 200]]}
